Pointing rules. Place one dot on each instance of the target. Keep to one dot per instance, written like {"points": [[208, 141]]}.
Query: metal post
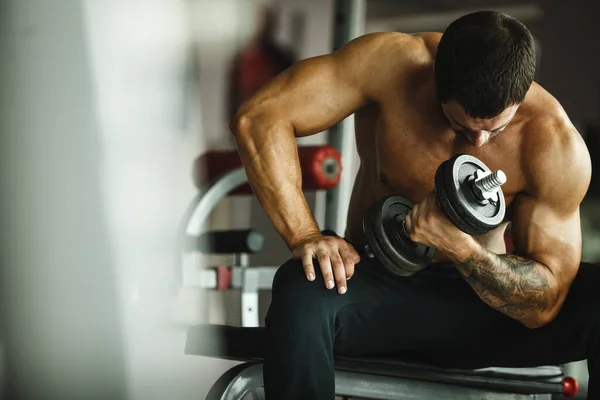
{"points": [[349, 23]]}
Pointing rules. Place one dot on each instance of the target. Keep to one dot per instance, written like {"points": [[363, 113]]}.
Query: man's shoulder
{"points": [[546, 123], [396, 45], [391, 59], [551, 144]]}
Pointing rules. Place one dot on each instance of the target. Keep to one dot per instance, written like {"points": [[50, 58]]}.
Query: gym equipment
{"points": [[246, 241], [467, 191], [471, 194], [237, 277], [349, 17], [387, 239], [374, 377], [361, 377]]}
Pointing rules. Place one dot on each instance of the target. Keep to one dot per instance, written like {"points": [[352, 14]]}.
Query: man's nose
{"points": [[479, 138]]}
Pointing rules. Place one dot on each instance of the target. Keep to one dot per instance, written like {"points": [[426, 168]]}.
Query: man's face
{"points": [[477, 131]]}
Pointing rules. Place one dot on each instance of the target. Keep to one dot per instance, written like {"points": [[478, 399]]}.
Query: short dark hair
{"points": [[486, 61]]}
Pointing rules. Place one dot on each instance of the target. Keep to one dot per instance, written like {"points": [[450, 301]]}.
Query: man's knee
{"points": [[294, 297], [291, 284], [289, 278]]}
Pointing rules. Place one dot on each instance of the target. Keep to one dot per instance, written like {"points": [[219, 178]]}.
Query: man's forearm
{"points": [[268, 153], [514, 285]]}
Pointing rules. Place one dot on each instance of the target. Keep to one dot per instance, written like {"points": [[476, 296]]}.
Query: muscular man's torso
{"points": [[403, 137]]}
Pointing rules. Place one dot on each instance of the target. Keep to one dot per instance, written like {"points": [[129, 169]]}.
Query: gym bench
{"points": [[373, 378], [355, 377]]}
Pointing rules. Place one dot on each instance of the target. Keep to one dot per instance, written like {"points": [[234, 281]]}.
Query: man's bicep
{"points": [[547, 234], [546, 225]]}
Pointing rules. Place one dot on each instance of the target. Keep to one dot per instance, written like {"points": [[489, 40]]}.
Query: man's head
{"points": [[484, 66]]}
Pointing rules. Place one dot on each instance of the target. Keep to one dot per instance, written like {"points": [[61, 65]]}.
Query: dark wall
{"points": [[570, 70]]}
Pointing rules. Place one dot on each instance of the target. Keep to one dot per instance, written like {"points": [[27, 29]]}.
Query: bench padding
{"points": [[248, 344]]}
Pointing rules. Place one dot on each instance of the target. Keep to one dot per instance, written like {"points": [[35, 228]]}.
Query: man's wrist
{"points": [[464, 250], [303, 237]]}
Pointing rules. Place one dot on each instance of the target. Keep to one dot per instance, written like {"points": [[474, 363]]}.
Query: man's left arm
{"points": [[532, 284]]}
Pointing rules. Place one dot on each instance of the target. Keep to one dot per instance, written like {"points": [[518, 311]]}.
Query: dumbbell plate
{"points": [[373, 246], [382, 227], [458, 201]]}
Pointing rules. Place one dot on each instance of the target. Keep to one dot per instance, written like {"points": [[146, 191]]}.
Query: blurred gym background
{"points": [[105, 105]]}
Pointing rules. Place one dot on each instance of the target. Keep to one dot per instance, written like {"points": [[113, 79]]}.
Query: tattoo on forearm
{"points": [[509, 283]]}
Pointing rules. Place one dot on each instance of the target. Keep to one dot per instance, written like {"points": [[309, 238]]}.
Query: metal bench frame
{"points": [[246, 380]]}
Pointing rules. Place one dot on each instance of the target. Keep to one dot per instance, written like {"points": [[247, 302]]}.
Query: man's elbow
{"points": [[547, 305], [253, 119], [250, 123], [240, 123], [541, 319]]}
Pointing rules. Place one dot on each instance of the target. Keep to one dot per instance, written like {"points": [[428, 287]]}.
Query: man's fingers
{"points": [[336, 262], [350, 258], [325, 264], [409, 220], [339, 272], [309, 268]]}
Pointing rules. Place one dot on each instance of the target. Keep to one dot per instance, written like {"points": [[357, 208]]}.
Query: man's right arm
{"points": [[308, 98]]}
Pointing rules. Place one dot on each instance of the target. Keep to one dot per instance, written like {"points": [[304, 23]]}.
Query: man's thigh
{"points": [[440, 319], [430, 311]]}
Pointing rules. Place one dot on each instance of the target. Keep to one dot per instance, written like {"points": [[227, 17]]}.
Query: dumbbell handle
{"points": [[404, 233], [491, 182], [486, 187], [403, 229]]}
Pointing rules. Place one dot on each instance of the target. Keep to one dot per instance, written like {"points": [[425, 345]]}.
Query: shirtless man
{"points": [[418, 100]]}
